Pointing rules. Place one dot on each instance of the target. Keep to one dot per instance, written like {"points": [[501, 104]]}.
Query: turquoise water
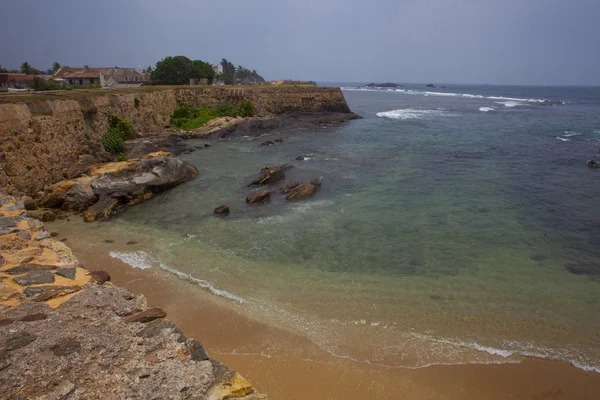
{"points": [[444, 231]]}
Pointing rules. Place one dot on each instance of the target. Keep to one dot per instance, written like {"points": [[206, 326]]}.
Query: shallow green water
{"points": [[442, 237]]}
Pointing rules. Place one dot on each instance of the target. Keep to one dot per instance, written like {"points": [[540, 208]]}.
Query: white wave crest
{"points": [[202, 283], [448, 94], [511, 103], [141, 259], [571, 133], [137, 259], [411, 113], [563, 139], [486, 109]]}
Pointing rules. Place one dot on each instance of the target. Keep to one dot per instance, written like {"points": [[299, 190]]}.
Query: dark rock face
{"points": [[593, 164], [82, 166], [259, 197], [268, 143], [222, 210], [583, 269], [26, 267], [45, 293], [154, 328], [65, 347], [35, 278], [146, 316], [43, 235], [34, 317], [301, 191], [195, 350], [6, 222], [68, 273], [430, 85], [18, 340], [99, 277]]}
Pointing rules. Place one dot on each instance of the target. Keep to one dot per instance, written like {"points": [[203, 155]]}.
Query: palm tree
{"points": [[55, 66]]}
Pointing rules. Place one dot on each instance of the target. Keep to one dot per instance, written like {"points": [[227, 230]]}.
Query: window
{"points": [[81, 81]]}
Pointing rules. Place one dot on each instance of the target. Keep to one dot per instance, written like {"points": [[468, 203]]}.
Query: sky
{"points": [[537, 42]]}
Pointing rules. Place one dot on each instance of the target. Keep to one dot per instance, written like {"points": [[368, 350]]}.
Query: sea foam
{"points": [[143, 260], [411, 113], [486, 109]]}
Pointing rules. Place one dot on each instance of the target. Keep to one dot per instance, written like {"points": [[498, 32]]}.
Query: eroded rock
{"points": [[301, 191], [146, 316], [222, 210], [259, 197], [35, 278]]}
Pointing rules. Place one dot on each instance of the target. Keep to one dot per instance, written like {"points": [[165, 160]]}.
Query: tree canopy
{"points": [[179, 70], [26, 68], [240, 74]]}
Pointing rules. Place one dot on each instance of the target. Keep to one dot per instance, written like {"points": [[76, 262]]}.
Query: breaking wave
{"points": [[411, 113], [142, 260], [486, 109], [450, 94]]}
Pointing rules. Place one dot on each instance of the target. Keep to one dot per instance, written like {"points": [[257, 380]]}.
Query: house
{"points": [[14, 80], [218, 68], [105, 77]]}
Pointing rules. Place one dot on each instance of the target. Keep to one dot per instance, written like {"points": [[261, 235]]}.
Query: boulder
{"points": [[100, 277], [112, 184], [315, 182], [269, 175], [222, 210], [259, 197], [29, 203], [429, 85], [301, 191], [593, 164], [279, 140], [82, 166], [268, 143], [145, 316]]}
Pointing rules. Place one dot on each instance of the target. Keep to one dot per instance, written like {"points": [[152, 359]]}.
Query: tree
{"points": [[148, 70], [202, 70], [172, 71], [55, 66], [3, 69], [26, 68], [86, 66]]}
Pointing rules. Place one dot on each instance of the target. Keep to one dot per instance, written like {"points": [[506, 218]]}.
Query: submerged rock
{"points": [[593, 164], [259, 197], [583, 269], [301, 191], [269, 175], [222, 210]]}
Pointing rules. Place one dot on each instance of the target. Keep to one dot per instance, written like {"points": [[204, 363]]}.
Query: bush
{"points": [[246, 109], [137, 102], [183, 111], [113, 141], [227, 110], [121, 157], [122, 125]]}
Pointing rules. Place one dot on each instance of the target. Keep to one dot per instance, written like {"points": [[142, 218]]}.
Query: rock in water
{"points": [[301, 191], [99, 277], [268, 143], [222, 210], [259, 197], [593, 164], [269, 175]]}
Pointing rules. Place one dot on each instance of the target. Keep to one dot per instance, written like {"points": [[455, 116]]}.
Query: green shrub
{"points": [[121, 125], [183, 111], [121, 157], [113, 141], [137, 101], [227, 110], [246, 109]]}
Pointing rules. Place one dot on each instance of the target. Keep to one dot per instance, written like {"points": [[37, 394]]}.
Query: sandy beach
{"points": [[312, 373]]}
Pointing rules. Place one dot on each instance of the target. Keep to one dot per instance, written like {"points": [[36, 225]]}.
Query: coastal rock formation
{"points": [[110, 185], [259, 197], [222, 210], [301, 191], [42, 139], [78, 337], [270, 175]]}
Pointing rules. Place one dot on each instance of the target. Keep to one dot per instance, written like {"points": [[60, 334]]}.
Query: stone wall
{"points": [[40, 139]]}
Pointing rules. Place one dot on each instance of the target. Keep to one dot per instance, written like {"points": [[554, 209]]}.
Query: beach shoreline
{"points": [[249, 346]]}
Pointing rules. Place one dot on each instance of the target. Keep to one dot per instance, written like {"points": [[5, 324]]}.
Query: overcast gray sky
{"points": [[552, 42]]}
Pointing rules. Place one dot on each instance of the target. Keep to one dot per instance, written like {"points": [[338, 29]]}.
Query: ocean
{"points": [[454, 225]]}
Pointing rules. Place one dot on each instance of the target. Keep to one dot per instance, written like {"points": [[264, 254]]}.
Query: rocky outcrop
{"points": [[43, 139], [110, 185], [74, 335], [261, 196], [301, 191], [270, 175]]}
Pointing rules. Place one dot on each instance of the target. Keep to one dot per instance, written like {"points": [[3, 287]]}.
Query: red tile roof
{"points": [[16, 77], [78, 73]]}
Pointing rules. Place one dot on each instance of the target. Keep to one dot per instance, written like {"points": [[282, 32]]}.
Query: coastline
{"points": [[311, 372]]}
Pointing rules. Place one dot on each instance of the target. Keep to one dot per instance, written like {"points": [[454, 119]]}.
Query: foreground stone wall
{"points": [[41, 139]]}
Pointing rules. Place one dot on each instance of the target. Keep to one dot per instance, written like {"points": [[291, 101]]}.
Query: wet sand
{"points": [[308, 372]]}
